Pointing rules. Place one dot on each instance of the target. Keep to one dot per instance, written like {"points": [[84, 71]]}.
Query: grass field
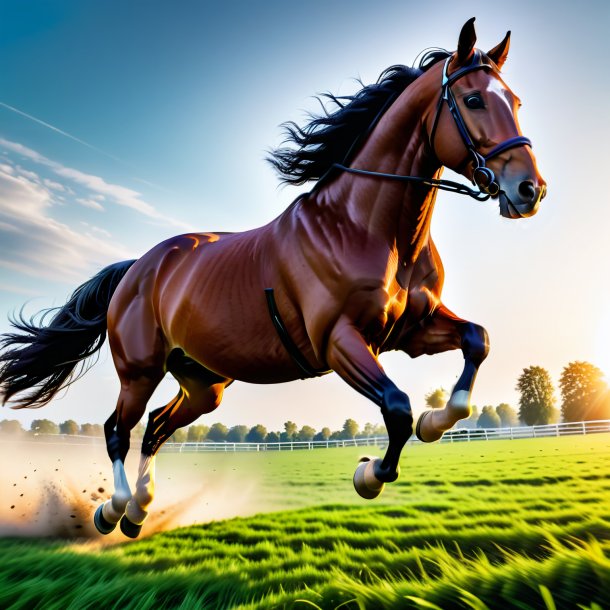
{"points": [[500, 524]]}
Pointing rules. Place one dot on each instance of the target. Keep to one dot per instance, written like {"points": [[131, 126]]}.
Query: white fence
{"points": [[452, 436]]}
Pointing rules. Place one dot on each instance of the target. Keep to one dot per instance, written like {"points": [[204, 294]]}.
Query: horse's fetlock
{"points": [[144, 495], [458, 405], [120, 498]]}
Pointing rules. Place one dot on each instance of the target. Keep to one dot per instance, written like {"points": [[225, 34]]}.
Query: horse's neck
{"points": [[397, 213]]}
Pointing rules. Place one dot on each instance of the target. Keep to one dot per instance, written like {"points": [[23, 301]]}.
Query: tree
{"points": [[488, 418], [257, 434], [197, 433], [179, 436], [306, 433], [218, 433], [291, 430], [367, 431], [509, 418], [537, 401], [437, 399], [11, 426], [237, 434], [380, 430], [323, 435], [92, 430], [350, 428], [44, 426], [584, 393], [273, 437], [69, 427]]}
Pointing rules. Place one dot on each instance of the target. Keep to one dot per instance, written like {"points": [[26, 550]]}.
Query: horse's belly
{"points": [[214, 309]]}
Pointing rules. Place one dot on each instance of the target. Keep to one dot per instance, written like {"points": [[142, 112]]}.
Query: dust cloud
{"points": [[51, 490]]}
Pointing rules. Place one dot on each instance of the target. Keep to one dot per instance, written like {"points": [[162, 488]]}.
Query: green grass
{"points": [[502, 524]]}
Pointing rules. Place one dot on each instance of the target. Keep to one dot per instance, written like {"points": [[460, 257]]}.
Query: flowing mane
{"points": [[334, 136]]}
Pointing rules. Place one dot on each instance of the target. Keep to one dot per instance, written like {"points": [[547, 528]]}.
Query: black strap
{"points": [[437, 183], [287, 341]]}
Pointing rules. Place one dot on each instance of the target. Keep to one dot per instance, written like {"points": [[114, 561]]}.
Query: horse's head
{"points": [[474, 128]]}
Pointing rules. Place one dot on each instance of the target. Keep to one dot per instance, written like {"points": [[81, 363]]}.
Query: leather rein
{"points": [[482, 176]]}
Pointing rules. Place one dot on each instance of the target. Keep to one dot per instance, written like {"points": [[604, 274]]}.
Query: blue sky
{"points": [[178, 104]]}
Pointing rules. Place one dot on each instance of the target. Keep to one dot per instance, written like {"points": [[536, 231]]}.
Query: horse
{"points": [[348, 271]]}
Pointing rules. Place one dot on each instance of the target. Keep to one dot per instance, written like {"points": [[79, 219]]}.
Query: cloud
{"points": [[37, 245], [55, 186], [91, 203], [96, 185]]}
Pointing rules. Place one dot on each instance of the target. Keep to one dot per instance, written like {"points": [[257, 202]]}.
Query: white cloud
{"points": [[37, 245], [91, 203], [98, 186], [54, 186]]}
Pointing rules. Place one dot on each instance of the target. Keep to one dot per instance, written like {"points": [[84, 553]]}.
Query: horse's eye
{"points": [[474, 101]]}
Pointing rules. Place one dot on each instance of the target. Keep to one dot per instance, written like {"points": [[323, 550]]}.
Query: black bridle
{"points": [[482, 176]]}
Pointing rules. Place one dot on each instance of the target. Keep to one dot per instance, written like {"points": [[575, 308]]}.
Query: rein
{"points": [[482, 176]]}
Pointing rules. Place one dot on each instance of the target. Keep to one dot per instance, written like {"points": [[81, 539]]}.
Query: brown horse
{"points": [[348, 271]]}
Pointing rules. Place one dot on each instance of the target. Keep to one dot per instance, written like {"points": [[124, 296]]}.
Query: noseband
{"points": [[482, 176]]}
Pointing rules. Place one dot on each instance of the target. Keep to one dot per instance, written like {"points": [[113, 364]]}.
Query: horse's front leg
{"points": [[444, 331], [352, 359]]}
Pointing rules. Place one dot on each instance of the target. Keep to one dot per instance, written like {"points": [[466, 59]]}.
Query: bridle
{"points": [[482, 176]]}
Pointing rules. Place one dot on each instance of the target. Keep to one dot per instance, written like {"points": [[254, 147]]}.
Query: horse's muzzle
{"points": [[523, 201]]}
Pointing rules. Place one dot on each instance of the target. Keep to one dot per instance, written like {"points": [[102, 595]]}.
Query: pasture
{"points": [[501, 524]]}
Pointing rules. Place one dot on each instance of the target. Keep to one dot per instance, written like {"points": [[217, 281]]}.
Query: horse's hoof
{"points": [[366, 483], [101, 525], [436, 435], [130, 529]]}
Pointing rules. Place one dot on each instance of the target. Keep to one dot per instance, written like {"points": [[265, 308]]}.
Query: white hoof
{"points": [[366, 483]]}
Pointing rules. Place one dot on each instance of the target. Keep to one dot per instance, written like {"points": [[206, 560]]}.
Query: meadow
{"points": [[499, 524]]}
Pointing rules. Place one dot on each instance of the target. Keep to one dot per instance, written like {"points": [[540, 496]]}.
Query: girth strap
{"points": [[287, 341]]}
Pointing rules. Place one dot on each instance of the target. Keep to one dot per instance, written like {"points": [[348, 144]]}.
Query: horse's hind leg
{"points": [[200, 392], [130, 408]]}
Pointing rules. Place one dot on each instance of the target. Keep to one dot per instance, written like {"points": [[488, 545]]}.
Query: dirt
{"points": [[51, 490]]}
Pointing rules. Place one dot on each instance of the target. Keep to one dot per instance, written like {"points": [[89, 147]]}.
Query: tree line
{"points": [[585, 396], [217, 432]]}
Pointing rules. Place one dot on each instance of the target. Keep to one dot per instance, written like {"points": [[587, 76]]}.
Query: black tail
{"points": [[42, 357]]}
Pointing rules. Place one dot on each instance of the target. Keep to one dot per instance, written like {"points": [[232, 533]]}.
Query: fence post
{"points": [[584, 427]]}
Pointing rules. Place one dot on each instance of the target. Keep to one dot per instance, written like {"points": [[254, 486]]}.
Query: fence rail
{"points": [[452, 436]]}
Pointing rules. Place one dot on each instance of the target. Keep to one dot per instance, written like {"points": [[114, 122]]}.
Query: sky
{"points": [[124, 123]]}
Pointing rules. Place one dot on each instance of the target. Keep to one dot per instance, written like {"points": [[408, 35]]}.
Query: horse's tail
{"points": [[42, 357]]}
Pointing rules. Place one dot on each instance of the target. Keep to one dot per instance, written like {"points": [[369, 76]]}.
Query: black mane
{"points": [[334, 136]]}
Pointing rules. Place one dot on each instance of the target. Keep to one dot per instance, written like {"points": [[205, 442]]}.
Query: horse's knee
{"points": [[475, 343]]}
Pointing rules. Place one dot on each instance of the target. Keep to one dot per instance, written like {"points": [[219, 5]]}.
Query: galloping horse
{"points": [[348, 271]]}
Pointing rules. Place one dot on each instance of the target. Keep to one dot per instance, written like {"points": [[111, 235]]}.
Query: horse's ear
{"points": [[466, 42], [500, 52]]}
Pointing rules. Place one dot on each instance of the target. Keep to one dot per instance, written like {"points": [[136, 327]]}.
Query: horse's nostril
{"points": [[527, 190]]}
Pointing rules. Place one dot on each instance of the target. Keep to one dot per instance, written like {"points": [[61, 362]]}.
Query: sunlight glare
{"points": [[602, 345]]}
